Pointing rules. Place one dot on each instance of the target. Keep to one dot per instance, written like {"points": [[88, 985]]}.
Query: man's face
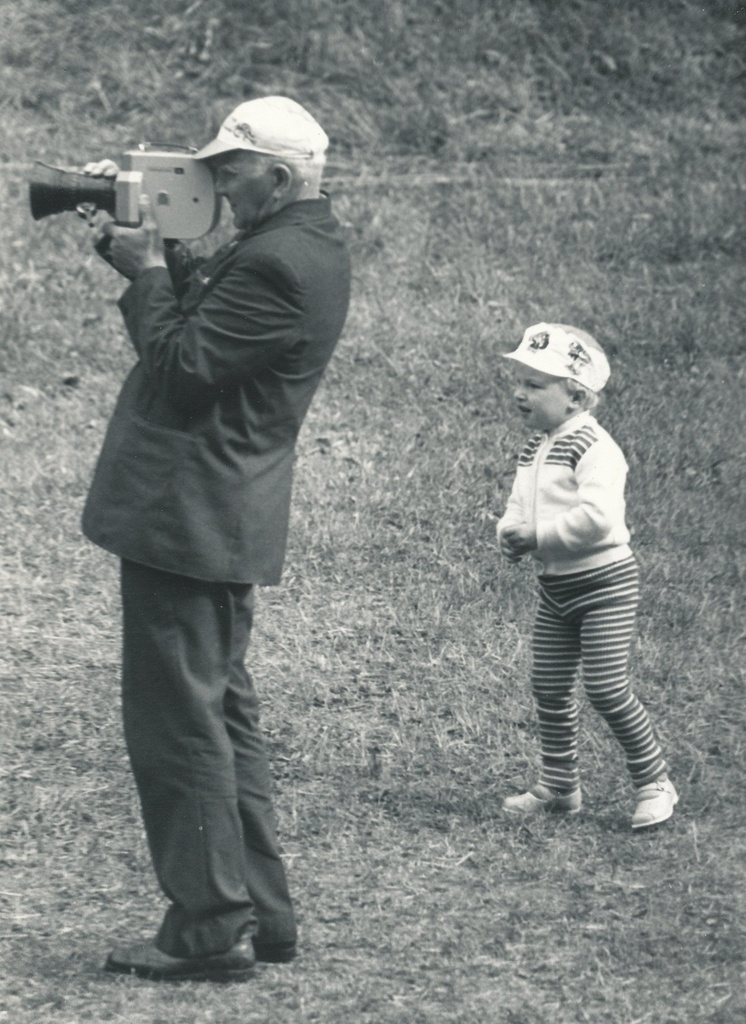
{"points": [[248, 183]]}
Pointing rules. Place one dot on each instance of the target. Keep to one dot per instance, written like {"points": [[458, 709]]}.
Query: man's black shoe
{"points": [[274, 952], [145, 960]]}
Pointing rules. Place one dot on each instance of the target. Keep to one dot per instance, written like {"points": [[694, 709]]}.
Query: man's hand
{"points": [[101, 169], [134, 250], [518, 540]]}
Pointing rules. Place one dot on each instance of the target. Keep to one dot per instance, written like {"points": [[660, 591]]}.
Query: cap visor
{"points": [[518, 356], [534, 363], [214, 148]]}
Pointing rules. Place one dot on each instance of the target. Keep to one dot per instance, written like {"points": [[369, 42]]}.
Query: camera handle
{"points": [[88, 211], [168, 147]]}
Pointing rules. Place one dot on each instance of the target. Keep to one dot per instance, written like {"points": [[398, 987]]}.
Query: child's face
{"points": [[543, 401]]}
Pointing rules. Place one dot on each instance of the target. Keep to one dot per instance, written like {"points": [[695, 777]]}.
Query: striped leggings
{"points": [[587, 619]]}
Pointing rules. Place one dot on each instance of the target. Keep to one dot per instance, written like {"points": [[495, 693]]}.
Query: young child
{"points": [[566, 509]]}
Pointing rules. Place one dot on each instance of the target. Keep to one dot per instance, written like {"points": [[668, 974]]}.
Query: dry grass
{"points": [[393, 659]]}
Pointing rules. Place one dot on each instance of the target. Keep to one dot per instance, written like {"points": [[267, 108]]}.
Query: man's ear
{"points": [[283, 180]]}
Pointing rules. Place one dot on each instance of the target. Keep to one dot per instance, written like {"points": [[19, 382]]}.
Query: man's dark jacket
{"points": [[196, 469]]}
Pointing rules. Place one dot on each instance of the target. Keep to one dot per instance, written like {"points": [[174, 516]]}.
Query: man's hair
{"points": [[306, 172]]}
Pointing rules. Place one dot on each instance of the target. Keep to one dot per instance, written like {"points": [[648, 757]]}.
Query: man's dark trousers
{"points": [[191, 723]]}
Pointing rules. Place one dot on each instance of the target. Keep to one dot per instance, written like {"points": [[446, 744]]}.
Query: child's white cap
{"points": [[563, 351], [274, 125]]}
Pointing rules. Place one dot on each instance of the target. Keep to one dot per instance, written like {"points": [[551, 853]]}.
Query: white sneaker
{"points": [[542, 798], [655, 803]]}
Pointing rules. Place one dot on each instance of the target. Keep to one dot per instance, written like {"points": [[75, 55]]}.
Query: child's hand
{"points": [[518, 540], [507, 552]]}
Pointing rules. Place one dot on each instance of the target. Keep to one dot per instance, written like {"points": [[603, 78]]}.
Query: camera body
{"points": [[180, 188]]}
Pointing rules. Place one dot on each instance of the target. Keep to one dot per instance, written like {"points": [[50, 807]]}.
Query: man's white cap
{"points": [[563, 351], [274, 125]]}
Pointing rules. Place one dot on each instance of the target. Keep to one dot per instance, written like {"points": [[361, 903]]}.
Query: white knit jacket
{"points": [[569, 485]]}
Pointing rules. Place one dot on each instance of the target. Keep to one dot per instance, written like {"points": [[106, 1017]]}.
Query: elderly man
{"points": [[192, 492]]}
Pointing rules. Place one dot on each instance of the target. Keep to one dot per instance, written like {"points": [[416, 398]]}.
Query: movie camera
{"points": [[180, 188]]}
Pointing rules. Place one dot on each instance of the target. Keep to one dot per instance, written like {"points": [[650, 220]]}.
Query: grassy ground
{"points": [[393, 659]]}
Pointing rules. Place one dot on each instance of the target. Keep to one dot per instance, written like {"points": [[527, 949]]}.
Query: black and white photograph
{"points": [[372, 512]]}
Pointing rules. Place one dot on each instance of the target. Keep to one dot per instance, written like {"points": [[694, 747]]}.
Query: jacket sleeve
{"points": [[181, 264], [242, 325], [599, 510]]}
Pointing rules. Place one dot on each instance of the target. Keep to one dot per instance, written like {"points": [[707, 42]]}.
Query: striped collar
{"points": [[580, 419], [566, 445]]}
